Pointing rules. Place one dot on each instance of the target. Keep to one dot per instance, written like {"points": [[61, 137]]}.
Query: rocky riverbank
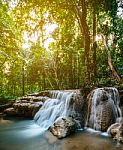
{"points": [[25, 106], [99, 110]]}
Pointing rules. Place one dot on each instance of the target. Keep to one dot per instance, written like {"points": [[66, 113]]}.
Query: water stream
{"points": [[53, 108], [20, 134]]}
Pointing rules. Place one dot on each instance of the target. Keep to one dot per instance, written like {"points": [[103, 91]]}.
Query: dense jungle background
{"points": [[59, 44]]}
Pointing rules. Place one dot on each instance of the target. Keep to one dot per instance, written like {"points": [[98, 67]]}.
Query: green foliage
{"points": [[5, 99], [29, 62], [9, 33]]}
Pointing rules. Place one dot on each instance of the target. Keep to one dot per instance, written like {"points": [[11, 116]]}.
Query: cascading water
{"points": [[116, 98], [104, 108], [53, 108]]}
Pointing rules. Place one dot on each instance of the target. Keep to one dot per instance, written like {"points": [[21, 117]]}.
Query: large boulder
{"points": [[63, 127], [116, 131]]}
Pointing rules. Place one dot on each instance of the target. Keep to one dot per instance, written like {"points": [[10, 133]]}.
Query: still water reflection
{"points": [[19, 134]]}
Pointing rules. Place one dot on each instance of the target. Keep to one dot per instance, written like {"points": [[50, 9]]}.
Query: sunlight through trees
{"points": [[58, 44]]}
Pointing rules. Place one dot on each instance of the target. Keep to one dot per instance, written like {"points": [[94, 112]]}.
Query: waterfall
{"points": [[53, 108], [117, 101], [104, 109], [93, 114]]}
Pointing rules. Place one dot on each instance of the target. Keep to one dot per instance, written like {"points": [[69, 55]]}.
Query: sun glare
{"points": [[47, 43], [48, 30], [7, 68], [13, 3]]}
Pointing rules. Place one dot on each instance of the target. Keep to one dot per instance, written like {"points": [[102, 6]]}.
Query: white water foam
{"points": [[53, 108]]}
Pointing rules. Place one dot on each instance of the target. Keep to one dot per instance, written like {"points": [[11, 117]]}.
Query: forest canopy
{"points": [[59, 44]]}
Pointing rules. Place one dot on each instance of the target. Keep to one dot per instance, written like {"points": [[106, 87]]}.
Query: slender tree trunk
{"points": [[94, 41], [44, 81], [71, 73], [86, 58], [81, 14], [86, 36], [23, 79], [78, 71], [111, 66]]}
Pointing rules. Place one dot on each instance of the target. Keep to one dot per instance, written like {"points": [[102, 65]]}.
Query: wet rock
{"points": [[42, 93], [40, 99], [116, 131], [62, 104], [78, 110], [103, 108], [63, 127], [24, 108], [5, 106], [10, 112], [26, 99], [121, 110]]}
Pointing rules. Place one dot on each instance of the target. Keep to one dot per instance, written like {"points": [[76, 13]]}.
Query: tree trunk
{"points": [[86, 58], [23, 79], [94, 41], [78, 71], [86, 36], [44, 81], [81, 13], [111, 66]]}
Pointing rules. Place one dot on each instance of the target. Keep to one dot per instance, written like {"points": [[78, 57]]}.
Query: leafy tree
{"points": [[54, 44]]}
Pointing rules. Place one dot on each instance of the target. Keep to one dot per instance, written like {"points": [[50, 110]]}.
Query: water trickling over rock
{"points": [[64, 111], [62, 104], [103, 108]]}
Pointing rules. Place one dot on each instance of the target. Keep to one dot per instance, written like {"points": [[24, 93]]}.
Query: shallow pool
{"points": [[20, 134]]}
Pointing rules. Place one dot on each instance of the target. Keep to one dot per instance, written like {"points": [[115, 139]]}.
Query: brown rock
{"points": [[116, 131], [10, 111], [63, 127]]}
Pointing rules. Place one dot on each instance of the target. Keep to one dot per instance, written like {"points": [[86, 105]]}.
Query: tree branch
{"points": [[111, 66]]}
